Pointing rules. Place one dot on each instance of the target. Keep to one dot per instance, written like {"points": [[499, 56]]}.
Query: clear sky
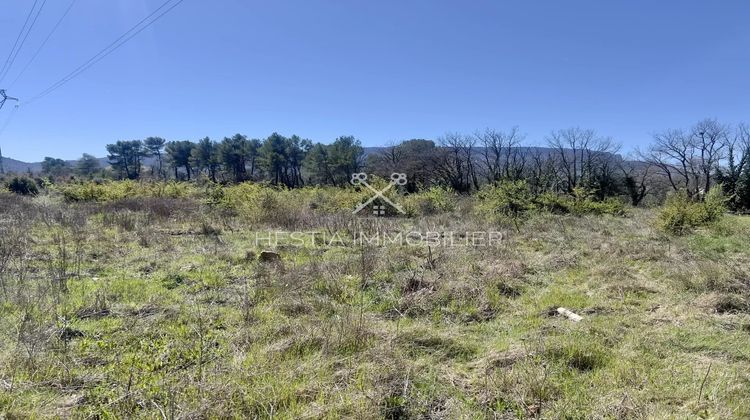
{"points": [[381, 70]]}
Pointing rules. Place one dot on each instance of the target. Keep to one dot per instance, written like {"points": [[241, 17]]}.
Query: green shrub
{"points": [[91, 191], [432, 201], [677, 214], [681, 214], [582, 202], [579, 204], [552, 203], [715, 204], [259, 203], [214, 194], [508, 202], [512, 201], [610, 206], [331, 200], [102, 191], [245, 199], [23, 186]]}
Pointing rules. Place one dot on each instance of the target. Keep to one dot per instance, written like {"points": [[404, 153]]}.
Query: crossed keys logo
{"points": [[397, 179]]}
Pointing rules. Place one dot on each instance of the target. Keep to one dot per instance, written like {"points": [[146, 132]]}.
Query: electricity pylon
{"points": [[4, 97]]}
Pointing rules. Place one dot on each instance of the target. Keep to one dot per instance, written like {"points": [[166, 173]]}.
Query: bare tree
{"points": [[568, 144], [501, 155], [688, 160], [637, 180], [413, 157], [542, 171], [515, 162], [582, 156], [600, 164], [710, 138], [455, 164], [673, 154], [388, 160]]}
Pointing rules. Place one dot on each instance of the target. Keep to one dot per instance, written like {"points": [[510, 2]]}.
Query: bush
{"points": [[23, 186], [331, 199], [579, 204], [279, 206], [262, 204], [610, 206], [434, 200], [715, 204], [512, 201], [681, 214], [91, 191], [506, 202], [552, 203], [99, 191]]}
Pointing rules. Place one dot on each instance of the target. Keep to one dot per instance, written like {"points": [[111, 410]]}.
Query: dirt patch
{"points": [[146, 311], [67, 334], [269, 257], [92, 312], [632, 289], [67, 404], [732, 303], [500, 359], [723, 303], [597, 310], [438, 345], [509, 289]]}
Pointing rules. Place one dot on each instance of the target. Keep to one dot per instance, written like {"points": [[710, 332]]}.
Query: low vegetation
{"points": [[512, 202], [580, 165], [143, 300], [22, 186], [681, 214], [232, 279]]}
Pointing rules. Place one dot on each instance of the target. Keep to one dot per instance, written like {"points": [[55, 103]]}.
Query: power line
{"points": [[18, 38], [33, 57], [13, 55], [120, 41]]}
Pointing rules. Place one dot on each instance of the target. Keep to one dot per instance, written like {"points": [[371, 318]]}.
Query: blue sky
{"points": [[382, 71]]}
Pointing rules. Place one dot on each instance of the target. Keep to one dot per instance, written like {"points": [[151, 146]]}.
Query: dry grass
{"points": [[160, 308]]}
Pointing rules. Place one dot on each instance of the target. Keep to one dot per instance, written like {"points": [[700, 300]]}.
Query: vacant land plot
{"points": [[163, 308]]}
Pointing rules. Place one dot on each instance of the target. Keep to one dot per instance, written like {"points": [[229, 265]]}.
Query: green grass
{"points": [[169, 319]]}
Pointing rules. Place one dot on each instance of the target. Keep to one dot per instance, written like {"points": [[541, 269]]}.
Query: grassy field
{"points": [[162, 308]]}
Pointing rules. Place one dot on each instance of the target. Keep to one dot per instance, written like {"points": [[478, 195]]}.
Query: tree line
{"points": [[279, 160], [691, 160]]}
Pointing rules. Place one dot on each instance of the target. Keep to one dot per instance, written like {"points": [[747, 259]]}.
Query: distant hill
{"points": [[19, 167], [16, 166], [478, 151]]}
